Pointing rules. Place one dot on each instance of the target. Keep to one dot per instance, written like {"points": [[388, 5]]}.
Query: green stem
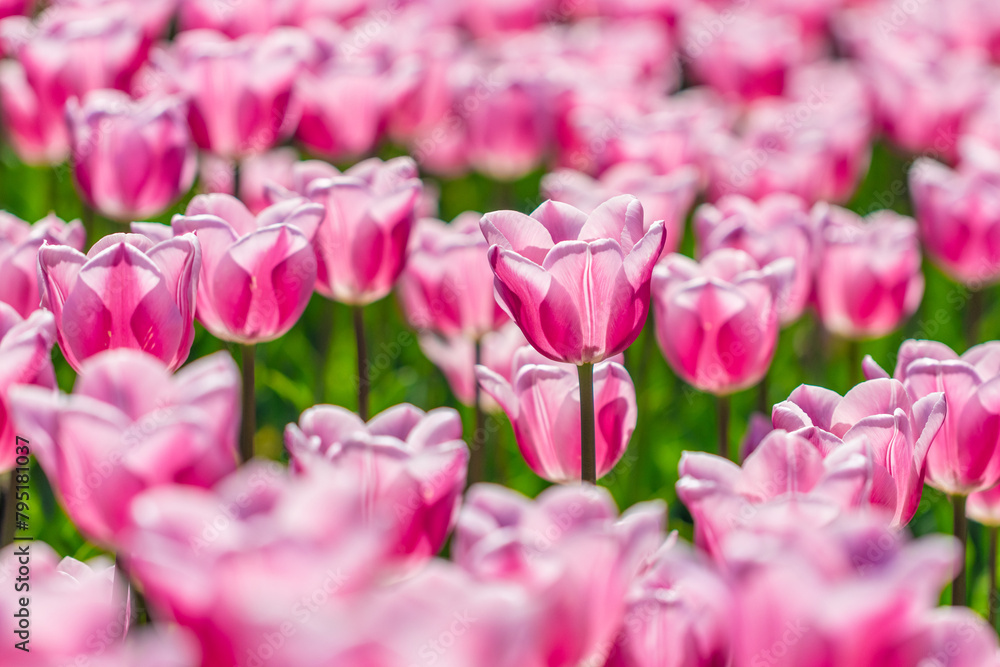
{"points": [[8, 508], [325, 343], [763, 404], [853, 363], [722, 415], [249, 403], [363, 380], [991, 564], [236, 178], [973, 316], [477, 456], [961, 527], [588, 451]]}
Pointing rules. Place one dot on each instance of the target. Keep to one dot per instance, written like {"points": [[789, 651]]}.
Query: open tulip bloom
{"points": [[576, 284]]}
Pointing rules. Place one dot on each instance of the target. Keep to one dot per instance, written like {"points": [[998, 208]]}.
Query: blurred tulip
{"points": [[717, 321], [455, 356], [964, 456], [576, 284], [490, 18], [666, 198], [258, 173], [542, 401], [899, 431], [361, 242], [959, 216], [257, 273], [19, 244], [126, 292], [411, 464], [153, 16], [570, 549], [447, 285], [15, 7], [775, 227], [130, 426], [869, 277], [67, 55], [25, 358], [984, 506], [131, 159], [235, 18], [253, 111]]}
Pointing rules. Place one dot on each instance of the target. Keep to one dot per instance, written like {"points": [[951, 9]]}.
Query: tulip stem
{"points": [[973, 315], [249, 403], [853, 363], [991, 564], [478, 454], [723, 409], [236, 178], [364, 383], [588, 451], [325, 342], [8, 511], [961, 527], [763, 405]]}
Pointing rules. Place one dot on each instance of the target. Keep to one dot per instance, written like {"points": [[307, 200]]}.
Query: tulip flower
{"points": [[66, 56], [25, 358], [361, 242], [15, 7], [411, 463], [777, 226], [542, 401], [570, 549], [868, 279], [126, 292], [252, 112], [19, 244], [131, 159], [664, 197], [235, 20], [899, 430], [153, 16], [129, 426]]}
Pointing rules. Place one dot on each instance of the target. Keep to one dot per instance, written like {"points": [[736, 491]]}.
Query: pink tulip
{"points": [[678, 613], [868, 279], [25, 358], [129, 426], [570, 549], [959, 216], [668, 197], [252, 112], [130, 159], [15, 7], [235, 19], [717, 321], [447, 285], [19, 244], [785, 468], [66, 56], [899, 431], [411, 464], [542, 401], [964, 456], [126, 292], [775, 227], [485, 19], [456, 357], [984, 506], [258, 173], [576, 284], [257, 273], [370, 210], [153, 16]]}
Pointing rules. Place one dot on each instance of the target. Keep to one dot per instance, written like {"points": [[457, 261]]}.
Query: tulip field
{"points": [[481, 333]]}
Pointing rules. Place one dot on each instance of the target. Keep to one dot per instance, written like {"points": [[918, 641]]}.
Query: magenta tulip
{"points": [[66, 56], [252, 112], [411, 464], [19, 244], [447, 285], [570, 549], [868, 279], [899, 431], [576, 284], [257, 273], [129, 426], [959, 216], [361, 242], [664, 197], [542, 401], [25, 359], [455, 356], [126, 292], [15, 7], [131, 159], [964, 456], [717, 321]]}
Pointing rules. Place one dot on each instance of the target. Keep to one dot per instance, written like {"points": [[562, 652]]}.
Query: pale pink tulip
{"points": [[19, 244], [576, 284], [126, 292], [717, 321], [984, 506], [153, 16], [542, 401]]}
